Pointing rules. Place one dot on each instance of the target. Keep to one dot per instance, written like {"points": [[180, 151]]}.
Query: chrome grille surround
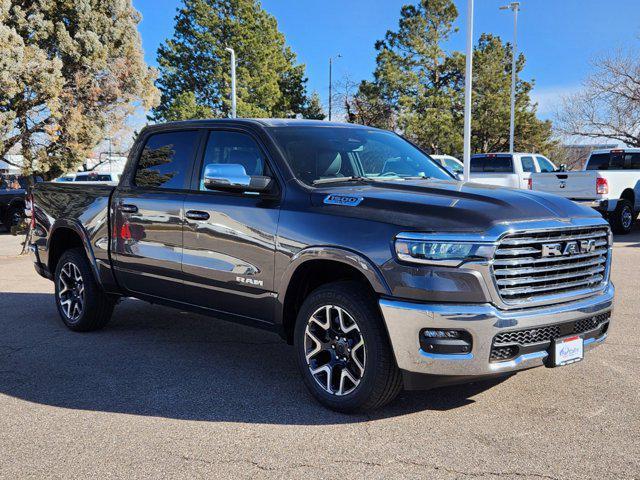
{"points": [[522, 275]]}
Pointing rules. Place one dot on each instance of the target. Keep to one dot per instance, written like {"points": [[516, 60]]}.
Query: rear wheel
{"points": [[12, 217], [343, 351], [82, 304], [623, 218]]}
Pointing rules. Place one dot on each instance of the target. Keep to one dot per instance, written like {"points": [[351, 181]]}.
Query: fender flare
{"points": [[76, 227], [337, 254]]}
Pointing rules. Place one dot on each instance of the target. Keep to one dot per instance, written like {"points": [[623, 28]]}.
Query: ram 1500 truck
{"points": [[378, 266], [609, 183]]}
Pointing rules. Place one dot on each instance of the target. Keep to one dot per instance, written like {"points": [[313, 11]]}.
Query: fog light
{"points": [[441, 333], [450, 342]]}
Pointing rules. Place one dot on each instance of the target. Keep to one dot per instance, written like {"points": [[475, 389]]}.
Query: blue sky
{"points": [[558, 37]]}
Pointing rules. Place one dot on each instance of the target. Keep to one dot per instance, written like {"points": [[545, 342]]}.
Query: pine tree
{"points": [[414, 76], [492, 102], [83, 73], [194, 62], [418, 88]]}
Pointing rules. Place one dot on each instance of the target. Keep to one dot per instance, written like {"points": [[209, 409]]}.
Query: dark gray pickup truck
{"points": [[379, 267]]}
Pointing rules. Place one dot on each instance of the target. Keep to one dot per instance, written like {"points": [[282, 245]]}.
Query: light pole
{"points": [[330, 82], [233, 81], [468, 83], [515, 7]]}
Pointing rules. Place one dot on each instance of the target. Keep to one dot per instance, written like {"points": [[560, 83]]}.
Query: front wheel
{"points": [[343, 351], [82, 304], [622, 218]]}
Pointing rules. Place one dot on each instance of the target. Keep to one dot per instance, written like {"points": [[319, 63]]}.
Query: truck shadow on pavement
{"points": [[160, 362]]}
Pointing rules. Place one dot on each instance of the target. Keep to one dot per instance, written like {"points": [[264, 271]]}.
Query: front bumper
{"points": [[405, 320]]}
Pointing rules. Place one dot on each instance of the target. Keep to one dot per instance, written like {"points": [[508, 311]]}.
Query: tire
{"points": [[623, 218], [12, 216], [81, 302], [372, 364]]}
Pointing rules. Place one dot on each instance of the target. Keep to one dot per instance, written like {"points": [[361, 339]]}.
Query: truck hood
{"points": [[441, 205]]}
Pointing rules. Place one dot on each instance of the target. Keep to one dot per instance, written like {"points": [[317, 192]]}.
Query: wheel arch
{"points": [[316, 266], [629, 194], [64, 236]]}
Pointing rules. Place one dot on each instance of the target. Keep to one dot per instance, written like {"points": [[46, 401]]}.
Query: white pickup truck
{"points": [[610, 183], [511, 170]]}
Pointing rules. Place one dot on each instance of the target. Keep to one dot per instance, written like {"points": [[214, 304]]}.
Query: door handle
{"points": [[128, 208], [197, 215]]}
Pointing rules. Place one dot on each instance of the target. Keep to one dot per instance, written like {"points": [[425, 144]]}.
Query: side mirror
{"points": [[459, 176], [563, 167], [232, 177]]}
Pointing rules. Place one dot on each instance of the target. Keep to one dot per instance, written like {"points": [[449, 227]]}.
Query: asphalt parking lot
{"points": [[165, 394]]}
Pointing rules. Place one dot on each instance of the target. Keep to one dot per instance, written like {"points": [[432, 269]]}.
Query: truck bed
{"points": [[85, 210]]}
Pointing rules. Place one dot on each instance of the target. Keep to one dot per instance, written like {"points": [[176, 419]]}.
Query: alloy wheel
{"points": [[71, 291], [335, 350], [627, 217]]}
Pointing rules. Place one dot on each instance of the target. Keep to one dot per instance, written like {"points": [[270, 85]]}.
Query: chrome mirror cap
{"points": [[233, 177]]}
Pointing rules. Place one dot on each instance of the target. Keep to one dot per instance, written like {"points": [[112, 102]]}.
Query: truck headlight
{"points": [[443, 253]]}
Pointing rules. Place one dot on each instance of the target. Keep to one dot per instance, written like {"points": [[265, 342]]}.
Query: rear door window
{"points": [[598, 161], [492, 164], [528, 165], [166, 160], [632, 161]]}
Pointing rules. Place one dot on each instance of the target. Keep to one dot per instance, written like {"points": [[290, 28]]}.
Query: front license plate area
{"points": [[567, 350]]}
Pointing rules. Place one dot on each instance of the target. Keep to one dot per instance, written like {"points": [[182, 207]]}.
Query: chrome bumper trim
{"points": [[404, 320]]}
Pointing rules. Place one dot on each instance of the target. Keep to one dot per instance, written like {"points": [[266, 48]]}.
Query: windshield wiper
{"points": [[355, 178]]}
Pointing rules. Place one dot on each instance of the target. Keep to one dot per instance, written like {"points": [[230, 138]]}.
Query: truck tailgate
{"points": [[576, 185], [509, 180]]}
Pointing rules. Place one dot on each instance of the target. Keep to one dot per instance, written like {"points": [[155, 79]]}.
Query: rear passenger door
{"points": [[229, 237], [149, 217]]}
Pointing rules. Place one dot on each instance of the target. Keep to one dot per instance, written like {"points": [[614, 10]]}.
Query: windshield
{"points": [[325, 154]]}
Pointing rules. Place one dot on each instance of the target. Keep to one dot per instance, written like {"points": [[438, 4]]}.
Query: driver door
{"points": [[229, 237]]}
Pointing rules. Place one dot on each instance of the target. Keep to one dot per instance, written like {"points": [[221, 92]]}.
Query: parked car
{"points": [[12, 199], [609, 182], [378, 266], [452, 164], [511, 170]]}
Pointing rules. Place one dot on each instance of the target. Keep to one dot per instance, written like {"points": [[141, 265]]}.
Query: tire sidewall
{"points": [[365, 316], [619, 227]]}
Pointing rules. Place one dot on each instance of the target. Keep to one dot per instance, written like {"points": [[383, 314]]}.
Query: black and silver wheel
{"points": [[81, 302], [623, 218], [71, 291], [335, 350], [343, 351]]}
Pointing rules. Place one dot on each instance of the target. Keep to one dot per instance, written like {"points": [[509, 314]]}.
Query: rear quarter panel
{"points": [[81, 208]]}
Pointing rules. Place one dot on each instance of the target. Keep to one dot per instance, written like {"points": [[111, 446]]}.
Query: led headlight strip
{"points": [[448, 250]]}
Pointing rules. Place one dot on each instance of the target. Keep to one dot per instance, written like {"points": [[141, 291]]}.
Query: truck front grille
{"points": [[529, 266], [508, 345]]}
